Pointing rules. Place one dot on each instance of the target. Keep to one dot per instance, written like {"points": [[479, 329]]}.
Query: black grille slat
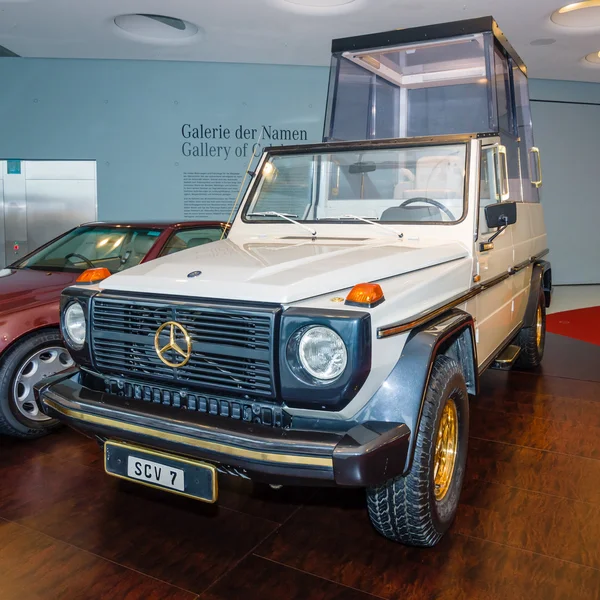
{"points": [[232, 346], [213, 348], [209, 369], [212, 333], [249, 339], [256, 372], [111, 349], [231, 337]]}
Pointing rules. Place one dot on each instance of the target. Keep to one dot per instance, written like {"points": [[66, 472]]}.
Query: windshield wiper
{"points": [[370, 222], [286, 216]]}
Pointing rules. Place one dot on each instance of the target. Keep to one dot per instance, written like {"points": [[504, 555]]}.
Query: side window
{"points": [[493, 186], [503, 95], [507, 125], [353, 102], [488, 189], [529, 155], [190, 238]]}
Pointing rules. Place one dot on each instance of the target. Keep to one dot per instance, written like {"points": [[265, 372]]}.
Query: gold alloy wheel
{"points": [[539, 326], [446, 446]]}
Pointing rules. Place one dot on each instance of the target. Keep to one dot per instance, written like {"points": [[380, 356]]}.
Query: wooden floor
{"points": [[528, 525]]}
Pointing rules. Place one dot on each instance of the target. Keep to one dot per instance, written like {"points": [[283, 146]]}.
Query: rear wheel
{"points": [[418, 509], [532, 339], [31, 360]]}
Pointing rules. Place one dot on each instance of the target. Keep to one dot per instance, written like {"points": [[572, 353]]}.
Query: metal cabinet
{"points": [[40, 200]]}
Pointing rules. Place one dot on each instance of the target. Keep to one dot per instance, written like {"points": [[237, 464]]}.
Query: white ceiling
{"points": [[278, 31]]}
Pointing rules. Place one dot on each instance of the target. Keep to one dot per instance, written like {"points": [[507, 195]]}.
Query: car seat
{"points": [[438, 177], [136, 251]]}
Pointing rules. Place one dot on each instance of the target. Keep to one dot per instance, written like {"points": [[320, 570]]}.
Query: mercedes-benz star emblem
{"points": [[176, 332], [194, 273]]}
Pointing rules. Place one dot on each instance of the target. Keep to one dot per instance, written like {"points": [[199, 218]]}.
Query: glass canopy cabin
{"points": [[453, 78], [436, 80]]}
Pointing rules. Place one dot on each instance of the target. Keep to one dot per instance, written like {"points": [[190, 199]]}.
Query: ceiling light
{"points": [[156, 27], [320, 3], [577, 6], [578, 14], [594, 57], [543, 42]]}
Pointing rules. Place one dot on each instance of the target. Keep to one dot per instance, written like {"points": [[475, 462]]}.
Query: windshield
{"points": [[424, 184], [115, 248]]}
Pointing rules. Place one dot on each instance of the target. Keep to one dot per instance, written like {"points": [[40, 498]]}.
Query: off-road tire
{"points": [[532, 352], [405, 509], [12, 422]]}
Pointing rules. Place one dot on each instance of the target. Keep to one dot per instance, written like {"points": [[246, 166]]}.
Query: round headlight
{"points": [[74, 325], [322, 353]]}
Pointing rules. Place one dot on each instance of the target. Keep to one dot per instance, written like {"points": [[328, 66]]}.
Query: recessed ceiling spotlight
{"points": [[156, 27], [543, 42], [578, 14], [320, 3], [594, 57]]}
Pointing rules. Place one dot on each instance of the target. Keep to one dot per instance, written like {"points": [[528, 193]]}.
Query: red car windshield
{"points": [[116, 248]]}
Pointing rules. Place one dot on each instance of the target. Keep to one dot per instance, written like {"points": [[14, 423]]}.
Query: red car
{"points": [[30, 344]]}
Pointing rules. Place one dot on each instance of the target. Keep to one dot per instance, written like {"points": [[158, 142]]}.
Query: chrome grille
{"points": [[232, 347]]}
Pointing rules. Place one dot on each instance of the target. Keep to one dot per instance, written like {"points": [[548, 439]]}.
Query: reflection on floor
{"points": [[528, 524]]}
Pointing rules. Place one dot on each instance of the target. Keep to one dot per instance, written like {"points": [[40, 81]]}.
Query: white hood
{"points": [[279, 270]]}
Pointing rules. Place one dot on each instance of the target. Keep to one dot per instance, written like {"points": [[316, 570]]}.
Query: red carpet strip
{"points": [[582, 324]]}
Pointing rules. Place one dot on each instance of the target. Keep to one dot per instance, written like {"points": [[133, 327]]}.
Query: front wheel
{"points": [[418, 508], [31, 360]]}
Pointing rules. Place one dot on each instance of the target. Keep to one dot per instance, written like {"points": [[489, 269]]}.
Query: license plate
{"points": [[148, 470], [161, 470]]}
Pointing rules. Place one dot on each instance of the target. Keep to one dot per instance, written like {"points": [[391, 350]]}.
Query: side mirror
{"points": [[501, 214]]}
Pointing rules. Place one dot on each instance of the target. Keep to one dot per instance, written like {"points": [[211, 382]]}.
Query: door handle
{"points": [[536, 151]]}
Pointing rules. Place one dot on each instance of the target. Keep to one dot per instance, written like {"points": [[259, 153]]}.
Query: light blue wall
{"points": [[128, 115], [566, 117], [565, 91]]}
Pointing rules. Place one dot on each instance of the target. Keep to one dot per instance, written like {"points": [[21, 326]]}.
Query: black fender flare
{"points": [[546, 279], [537, 284], [400, 398]]}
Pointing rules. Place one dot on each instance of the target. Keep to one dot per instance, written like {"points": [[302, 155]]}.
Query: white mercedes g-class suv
{"points": [[367, 281]]}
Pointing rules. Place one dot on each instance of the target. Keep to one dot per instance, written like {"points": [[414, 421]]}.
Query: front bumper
{"points": [[365, 455]]}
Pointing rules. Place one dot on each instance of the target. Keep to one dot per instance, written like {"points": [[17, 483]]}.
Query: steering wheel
{"points": [[433, 203], [83, 258]]}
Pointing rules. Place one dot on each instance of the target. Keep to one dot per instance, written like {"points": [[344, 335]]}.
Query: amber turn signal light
{"points": [[368, 295], [94, 275]]}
